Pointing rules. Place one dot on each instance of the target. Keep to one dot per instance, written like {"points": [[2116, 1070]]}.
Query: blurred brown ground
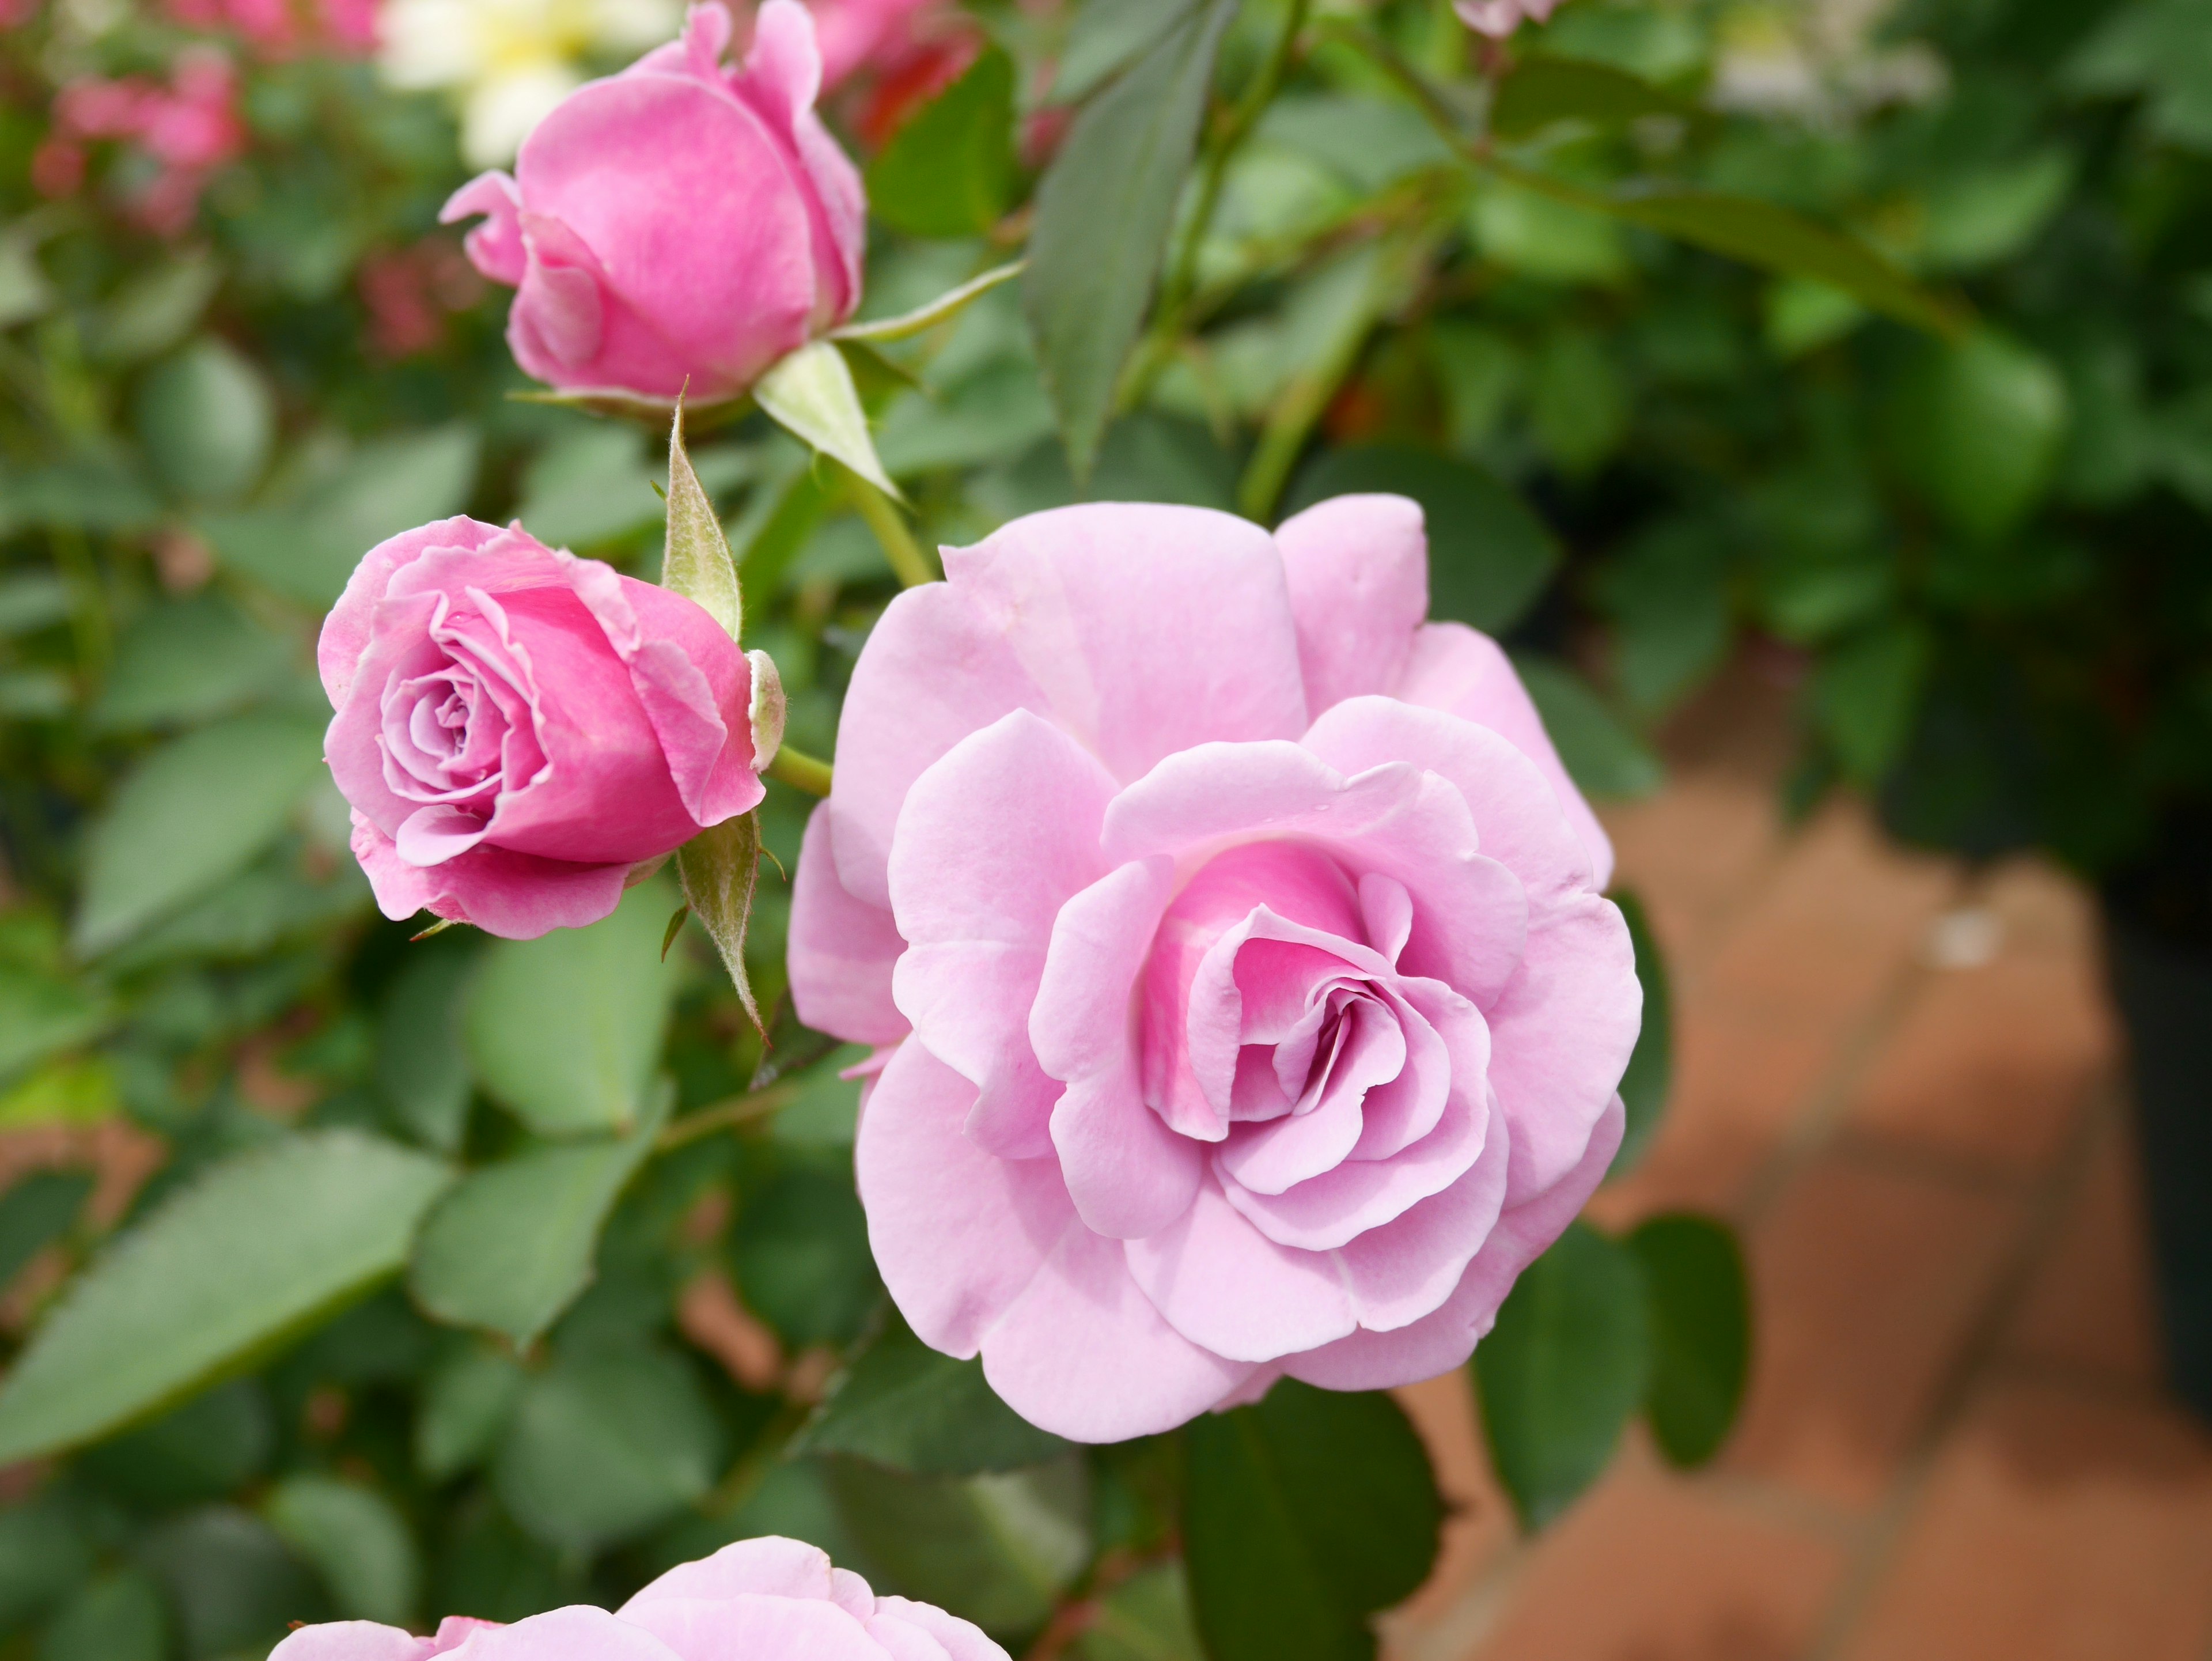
{"points": [[1899, 1080]]}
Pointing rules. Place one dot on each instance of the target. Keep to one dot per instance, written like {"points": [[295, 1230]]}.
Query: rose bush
{"points": [[1237, 940], [517, 728], [678, 222], [766, 1600]]}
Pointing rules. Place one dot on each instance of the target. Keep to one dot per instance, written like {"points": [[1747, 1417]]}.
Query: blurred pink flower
{"points": [[408, 294], [190, 129], [1499, 18], [280, 28]]}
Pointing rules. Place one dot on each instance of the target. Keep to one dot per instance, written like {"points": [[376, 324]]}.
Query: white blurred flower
{"points": [[1820, 60], [509, 61]]}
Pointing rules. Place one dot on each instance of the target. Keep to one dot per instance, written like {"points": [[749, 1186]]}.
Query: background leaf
{"points": [[1602, 757], [1701, 1333], [903, 1404], [1650, 1072], [206, 420], [1978, 425], [1541, 91], [356, 1539], [950, 171]]}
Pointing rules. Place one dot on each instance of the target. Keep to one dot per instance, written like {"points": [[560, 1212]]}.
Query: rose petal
{"points": [[841, 949], [352, 1640], [1224, 1285], [771, 1564], [518, 897], [346, 630], [1358, 568], [748, 1624]]}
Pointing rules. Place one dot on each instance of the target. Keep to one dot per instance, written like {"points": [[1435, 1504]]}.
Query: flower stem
{"points": [[801, 770], [908, 562]]}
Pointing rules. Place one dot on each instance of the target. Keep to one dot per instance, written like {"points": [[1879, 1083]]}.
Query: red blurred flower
{"points": [[188, 129], [410, 292]]}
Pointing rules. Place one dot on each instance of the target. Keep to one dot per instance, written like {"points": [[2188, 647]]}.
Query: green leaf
{"points": [[1978, 424], [810, 395], [1978, 218], [1104, 39], [1651, 1074], [41, 1013], [563, 1031], [1578, 401], [1668, 597], [211, 1445], [117, 1617], [1866, 692], [1489, 555], [208, 422], [45, 1551], [951, 170], [233, 1584], [422, 1061], [902, 1404], [696, 561], [465, 1407], [589, 487], [260, 1247], [187, 662], [32, 600], [1146, 1618], [1302, 1516], [356, 1539], [800, 1253], [1701, 1333], [1602, 757], [152, 309], [307, 550], [1000, 1548], [720, 868], [1563, 1370], [1103, 212], [36, 1210], [192, 813], [604, 1445], [1541, 91], [514, 1244]]}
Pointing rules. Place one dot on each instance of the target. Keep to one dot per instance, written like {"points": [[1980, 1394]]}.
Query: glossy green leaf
{"points": [[259, 1247], [604, 1445], [1563, 1370], [41, 1013], [719, 869], [695, 560], [514, 1243], [37, 1208], [1602, 757], [1542, 91], [800, 1251], [1650, 1075], [356, 1539], [1302, 1516], [1103, 211], [1104, 39], [1700, 1305], [1490, 557], [950, 171], [563, 1031], [1978, 424], [903, 1404], [1146, 1618], [207, 421], [117, 1617], [190, 815], [465, 1408], [422, 1059], [188, 661]]}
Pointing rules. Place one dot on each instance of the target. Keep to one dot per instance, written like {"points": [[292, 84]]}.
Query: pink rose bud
{"points": [[518, 727], [679, 221], [770, 1599], [1238, 941]]}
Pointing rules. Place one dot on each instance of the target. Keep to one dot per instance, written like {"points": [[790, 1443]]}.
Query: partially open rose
{"points": [[1252, 1005]]}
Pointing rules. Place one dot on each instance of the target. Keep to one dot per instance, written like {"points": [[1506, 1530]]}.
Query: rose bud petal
{"points": [[517, 728], [681, 221], [1237, 945], [770, 1599]]}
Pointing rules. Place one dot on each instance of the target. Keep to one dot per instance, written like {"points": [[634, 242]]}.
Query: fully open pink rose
{"points": [[517, 728], [760, 1600], [1256, 1009], [679, 221]]}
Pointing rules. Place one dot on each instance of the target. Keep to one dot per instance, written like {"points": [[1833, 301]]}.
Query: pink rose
{"points": [[678, 220], [517, 728], [763, 1600], [1236, 937]]}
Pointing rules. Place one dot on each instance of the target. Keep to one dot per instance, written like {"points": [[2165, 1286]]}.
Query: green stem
{"points": [[908, 562], [725, 1115], [801, 770]]}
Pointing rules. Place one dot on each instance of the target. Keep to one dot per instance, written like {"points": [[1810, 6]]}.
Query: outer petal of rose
{"points": [[518, 897], [351, 748], [578, 1633], [1401, 1271], [1149, 629], [346, 630], [1358, 573], [1517, 814], [994, 839], [935, 669], [1222, 1283], [841, 949], [1084, 1354], [1128, 1174], [1456, 669], [352, 1640], [1560, 1036], [962, 1640], [783, 74], [750, 1624], [456, 1630], [957, 1233], [771, 1565], [895, 1640], [1470, 914], [1440, 1341], [494, 248]]}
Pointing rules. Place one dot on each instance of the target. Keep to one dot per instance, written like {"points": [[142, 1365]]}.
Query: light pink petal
{"points": [[456, 1630], [1083, 1353], [962, 1640], [1358, 573], [578, 1633], [559, 314], [1223, 1284], [1148, 629], [1444, 1339], [1127, 1173], [995, 838], [747, 1624], [852, 1594], [494, 248], [352, 1640], [518, 897], [841, 949], [1446, 1040], [1456, 669], [346, 630], [958, 1233], [431, 836], [1271, 1157], [901, 1641], [1401, 1271], [771, 1565], [1387, 910]]}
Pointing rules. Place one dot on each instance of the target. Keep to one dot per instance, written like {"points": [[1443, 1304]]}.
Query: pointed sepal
{"points": [[720, 868], [812, 393], [768, 710], [697, 564]]}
